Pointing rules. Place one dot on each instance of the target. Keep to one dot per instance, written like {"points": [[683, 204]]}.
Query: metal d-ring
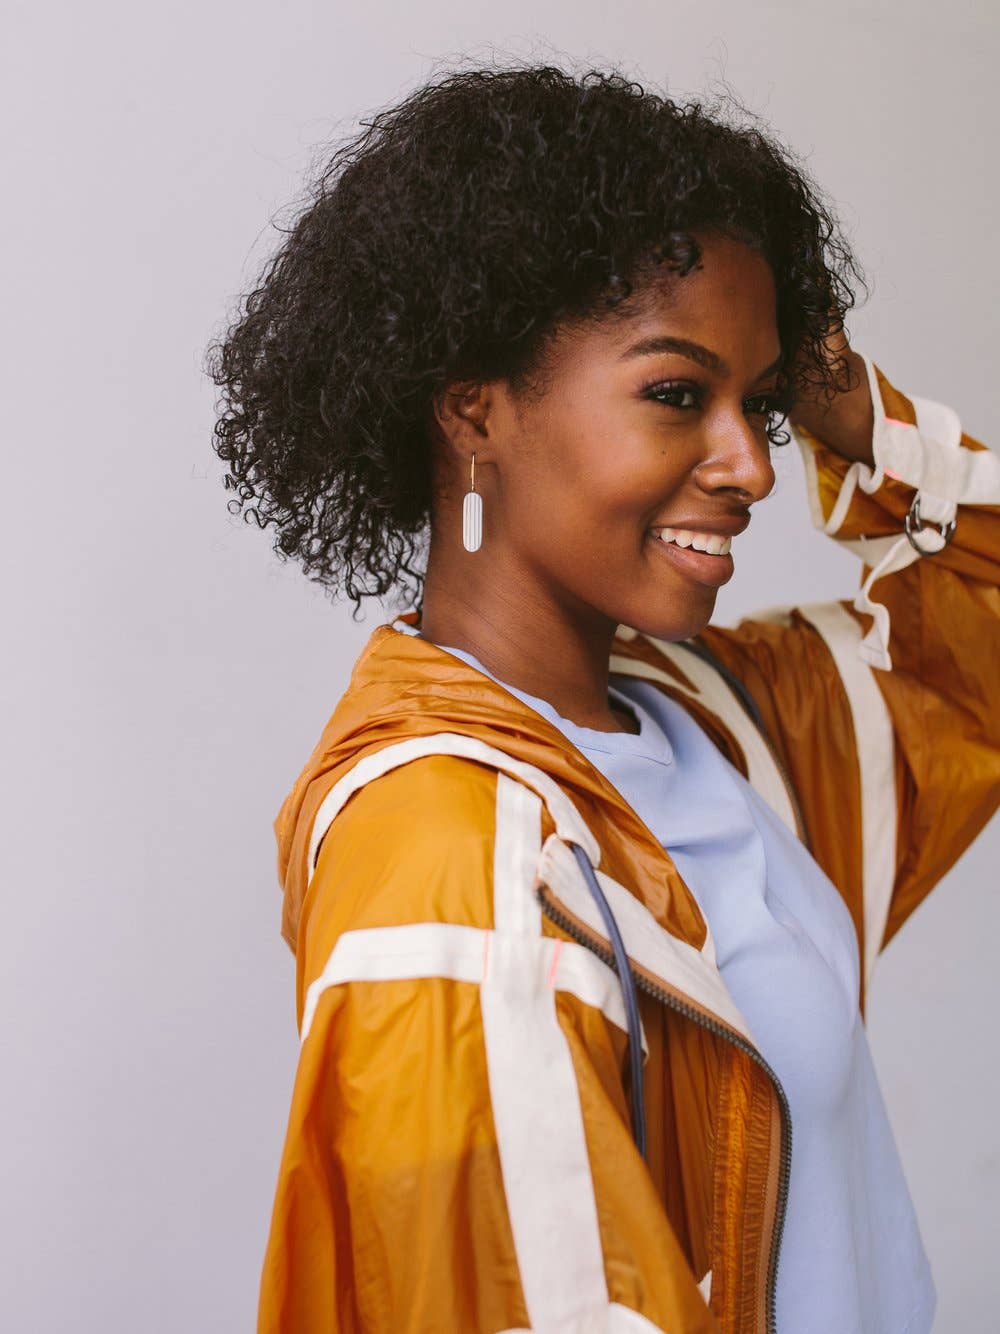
{"points": [[914, 524]]}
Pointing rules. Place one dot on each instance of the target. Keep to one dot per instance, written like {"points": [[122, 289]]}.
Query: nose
{"points": [[737, 458]]}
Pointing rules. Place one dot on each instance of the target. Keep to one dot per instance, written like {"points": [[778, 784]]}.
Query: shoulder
{"points": [[410, 808], [413, 844]]}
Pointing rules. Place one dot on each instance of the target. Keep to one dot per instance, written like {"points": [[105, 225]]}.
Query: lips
{"points": [[712, 543], [722, 525], [705, 567]]}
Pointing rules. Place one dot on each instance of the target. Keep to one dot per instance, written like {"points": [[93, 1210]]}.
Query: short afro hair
{"points": [[451, 240]]}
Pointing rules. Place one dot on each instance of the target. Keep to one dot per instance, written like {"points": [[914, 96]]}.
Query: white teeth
{"points": [[710, 543]]}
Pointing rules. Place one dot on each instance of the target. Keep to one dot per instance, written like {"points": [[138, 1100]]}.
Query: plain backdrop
{"points": [[165, 676]]}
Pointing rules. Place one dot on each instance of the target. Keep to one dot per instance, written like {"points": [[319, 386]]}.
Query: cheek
{"points": [[584, 530], [605, 511], [607, 479], [628, 490]]}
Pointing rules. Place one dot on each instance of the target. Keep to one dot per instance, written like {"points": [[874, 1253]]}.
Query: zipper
{"points": [[606, 955]]}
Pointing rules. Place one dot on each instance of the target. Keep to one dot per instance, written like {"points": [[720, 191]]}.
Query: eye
{"points": [[668, 392], [671, 393]]}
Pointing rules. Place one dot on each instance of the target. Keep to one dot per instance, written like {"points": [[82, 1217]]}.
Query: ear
{"points": [[461, 416]]}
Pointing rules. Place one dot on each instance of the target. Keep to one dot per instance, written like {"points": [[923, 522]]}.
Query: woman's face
{"points": [[640, 438]]}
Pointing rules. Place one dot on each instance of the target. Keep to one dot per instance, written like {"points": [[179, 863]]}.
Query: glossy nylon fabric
{"points": [[408, 1057], [852, 1257], [391, 1209]]}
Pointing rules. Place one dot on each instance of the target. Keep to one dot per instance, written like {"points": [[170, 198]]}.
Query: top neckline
{"points": [[650, 742]]}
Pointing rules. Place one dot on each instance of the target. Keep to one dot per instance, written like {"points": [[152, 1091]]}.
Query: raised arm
{"points": [[886, 708]]}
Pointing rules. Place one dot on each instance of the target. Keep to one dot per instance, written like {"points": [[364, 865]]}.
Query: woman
{"points": [[585, 894]]}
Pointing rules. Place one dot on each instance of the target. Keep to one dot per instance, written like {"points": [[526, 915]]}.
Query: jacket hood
{"points": [[403, 686]]}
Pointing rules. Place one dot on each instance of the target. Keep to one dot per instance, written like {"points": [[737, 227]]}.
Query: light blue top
{"points": [[851, 1260]]}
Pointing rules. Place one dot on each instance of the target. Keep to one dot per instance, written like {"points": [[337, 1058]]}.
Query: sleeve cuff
{"points": [[920, 454], [919, 446]]}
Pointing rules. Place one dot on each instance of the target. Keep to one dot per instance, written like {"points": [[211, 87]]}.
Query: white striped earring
{"points": [[472, 515]]}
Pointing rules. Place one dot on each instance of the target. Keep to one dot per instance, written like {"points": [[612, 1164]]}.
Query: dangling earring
{"points": [[472, 515]]}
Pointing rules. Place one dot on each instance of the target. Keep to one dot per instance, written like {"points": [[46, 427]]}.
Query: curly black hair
{"points": [[451, 240]]}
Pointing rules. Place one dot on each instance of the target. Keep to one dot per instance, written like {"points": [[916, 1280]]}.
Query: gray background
{"points": [[165, 677]]}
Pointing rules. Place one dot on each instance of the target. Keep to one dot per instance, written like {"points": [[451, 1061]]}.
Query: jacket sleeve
{"points": [[886, 708], [453, 1089]]}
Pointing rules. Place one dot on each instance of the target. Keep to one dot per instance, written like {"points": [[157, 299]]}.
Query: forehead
{"points": [[727, 304]]}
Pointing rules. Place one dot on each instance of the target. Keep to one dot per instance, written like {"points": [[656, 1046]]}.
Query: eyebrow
{"points": [[684, 347]]}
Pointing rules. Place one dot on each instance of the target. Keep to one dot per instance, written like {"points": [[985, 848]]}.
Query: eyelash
{"points": [[779, 404]]}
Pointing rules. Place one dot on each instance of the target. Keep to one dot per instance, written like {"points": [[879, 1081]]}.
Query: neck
{"points": [[525, 639]]}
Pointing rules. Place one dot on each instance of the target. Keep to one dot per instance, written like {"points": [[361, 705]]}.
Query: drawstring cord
{"points": [[624, 971]]}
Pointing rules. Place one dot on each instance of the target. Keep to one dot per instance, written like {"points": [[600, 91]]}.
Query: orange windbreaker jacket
{"points": [[458, 1154]]}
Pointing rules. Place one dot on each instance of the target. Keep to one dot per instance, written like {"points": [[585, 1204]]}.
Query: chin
{"points": [[673, 623]]}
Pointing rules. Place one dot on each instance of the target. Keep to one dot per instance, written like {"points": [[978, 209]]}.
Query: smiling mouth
{"points": [[703, 557], [711, 543]]}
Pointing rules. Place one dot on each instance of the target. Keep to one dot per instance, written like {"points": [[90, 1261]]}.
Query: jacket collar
{"points": [[404, 686]]}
